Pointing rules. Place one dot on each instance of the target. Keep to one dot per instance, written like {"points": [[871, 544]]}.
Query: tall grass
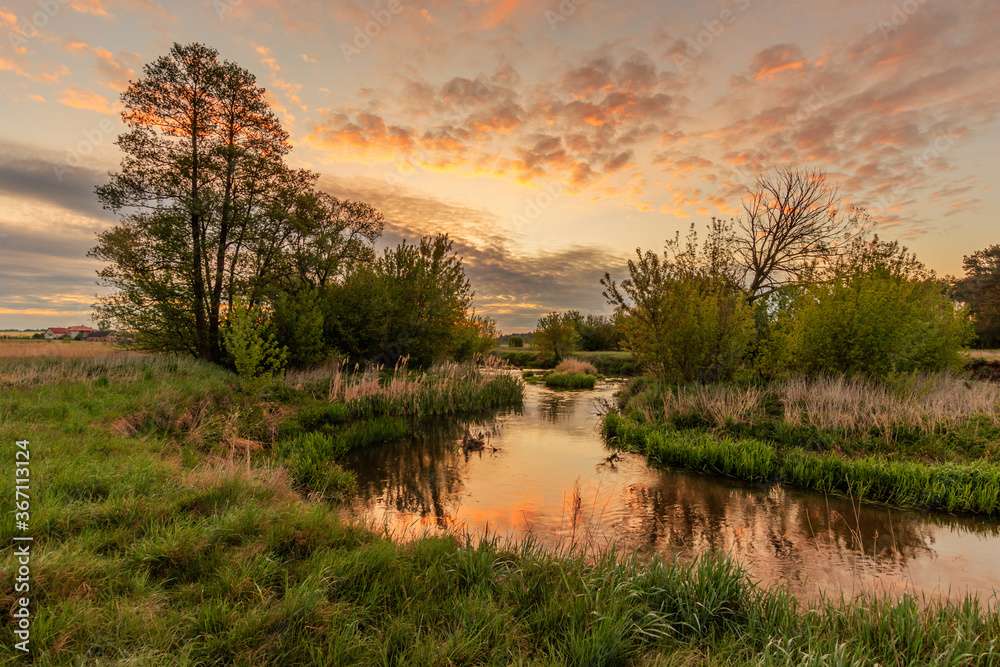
{"points": [[148, 552], [972, 488], [446, 389], [572, 365], [926, 402]]}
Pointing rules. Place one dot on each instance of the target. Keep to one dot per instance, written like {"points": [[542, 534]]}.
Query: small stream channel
{"points": [[549, 478]]}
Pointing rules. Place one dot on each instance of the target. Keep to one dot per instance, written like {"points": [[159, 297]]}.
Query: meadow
{"points": [[171, 529]]}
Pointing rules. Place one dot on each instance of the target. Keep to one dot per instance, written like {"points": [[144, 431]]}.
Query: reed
{"points": [[970, 488], [579, 366], [446, 389]]}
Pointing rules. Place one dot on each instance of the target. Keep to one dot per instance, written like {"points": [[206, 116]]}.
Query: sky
{"points": [[550, 139]]}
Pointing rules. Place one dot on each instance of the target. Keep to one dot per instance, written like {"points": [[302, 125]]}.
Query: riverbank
{"points": [[930, 442], [611, 363], [167, 532]]}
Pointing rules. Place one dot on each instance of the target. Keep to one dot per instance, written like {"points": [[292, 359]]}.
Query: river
{"points": [[545, 474]]}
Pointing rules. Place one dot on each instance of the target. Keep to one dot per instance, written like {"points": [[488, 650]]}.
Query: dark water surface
{"points": [[549, 478]]}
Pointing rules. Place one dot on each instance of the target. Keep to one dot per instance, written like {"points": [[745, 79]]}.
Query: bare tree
{"points": [[792, 224]]}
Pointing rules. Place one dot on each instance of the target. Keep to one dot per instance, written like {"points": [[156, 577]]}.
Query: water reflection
{"points": [[546, 473]]}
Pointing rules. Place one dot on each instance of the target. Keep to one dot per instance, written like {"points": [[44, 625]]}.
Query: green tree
{"points": [[298, 321], [882, 312], [683, 314], [979, 289], [556, 335], [598, 332], [254, 352], [208, 210], [414, 301]]}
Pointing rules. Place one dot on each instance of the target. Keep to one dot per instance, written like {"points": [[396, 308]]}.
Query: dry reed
{"points": [[572, 365], [926, 402]]}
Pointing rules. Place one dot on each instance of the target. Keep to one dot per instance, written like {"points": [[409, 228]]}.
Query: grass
{"points": [[447, 389], [79, 349], [158, 542], [971, 488], [932, 418], [557, 380]]}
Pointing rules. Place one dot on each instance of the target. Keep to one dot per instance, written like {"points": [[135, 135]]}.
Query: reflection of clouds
{"points": [[550, 482]]}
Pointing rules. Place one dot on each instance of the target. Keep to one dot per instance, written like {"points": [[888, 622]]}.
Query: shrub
{"points": [[255, 353], [684, 315], [413, 302], [515, 341], [881, 313]]}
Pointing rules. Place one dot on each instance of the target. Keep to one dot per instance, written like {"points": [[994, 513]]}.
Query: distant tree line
{"points": [[215, 230]]}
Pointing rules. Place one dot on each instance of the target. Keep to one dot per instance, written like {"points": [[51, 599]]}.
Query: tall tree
{"points": [[208, 209], [980, 290], [792, 224]]}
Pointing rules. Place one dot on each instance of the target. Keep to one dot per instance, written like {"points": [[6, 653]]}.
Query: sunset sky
{"points": [[549, 138]]}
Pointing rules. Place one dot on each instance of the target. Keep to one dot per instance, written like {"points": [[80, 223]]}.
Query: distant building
{"points": [[71, 333]]}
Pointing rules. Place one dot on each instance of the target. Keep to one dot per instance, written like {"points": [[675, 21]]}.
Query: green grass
{"points": [[557, 380], [972, 487], [158, 543]]}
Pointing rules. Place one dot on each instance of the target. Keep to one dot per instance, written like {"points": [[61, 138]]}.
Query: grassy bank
{"points": [[950, 487], [929, 442], [167, 531], [613, 363]]}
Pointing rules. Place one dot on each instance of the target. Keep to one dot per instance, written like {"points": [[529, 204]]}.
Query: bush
{"points": [[254, 351], [684, 315], [880, 314], [413, 302], [515, 341]]}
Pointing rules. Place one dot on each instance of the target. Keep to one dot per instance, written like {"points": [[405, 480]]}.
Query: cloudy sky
{"points": [[550, 138]]}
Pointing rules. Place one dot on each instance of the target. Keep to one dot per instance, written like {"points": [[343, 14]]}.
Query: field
{"points": [[171, 530], [16, 335], [79, 349]]}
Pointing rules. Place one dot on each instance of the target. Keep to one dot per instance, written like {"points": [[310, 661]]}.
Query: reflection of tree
{"points": [[693, 514], [422, 475], [556, 405]]}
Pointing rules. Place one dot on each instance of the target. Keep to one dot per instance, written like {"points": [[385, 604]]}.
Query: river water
{"points": [[545, 474]]}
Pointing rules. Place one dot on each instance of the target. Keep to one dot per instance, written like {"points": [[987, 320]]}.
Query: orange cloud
{"points": [[77, 98], [499, 13], [777, 59], [92, 7]]}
